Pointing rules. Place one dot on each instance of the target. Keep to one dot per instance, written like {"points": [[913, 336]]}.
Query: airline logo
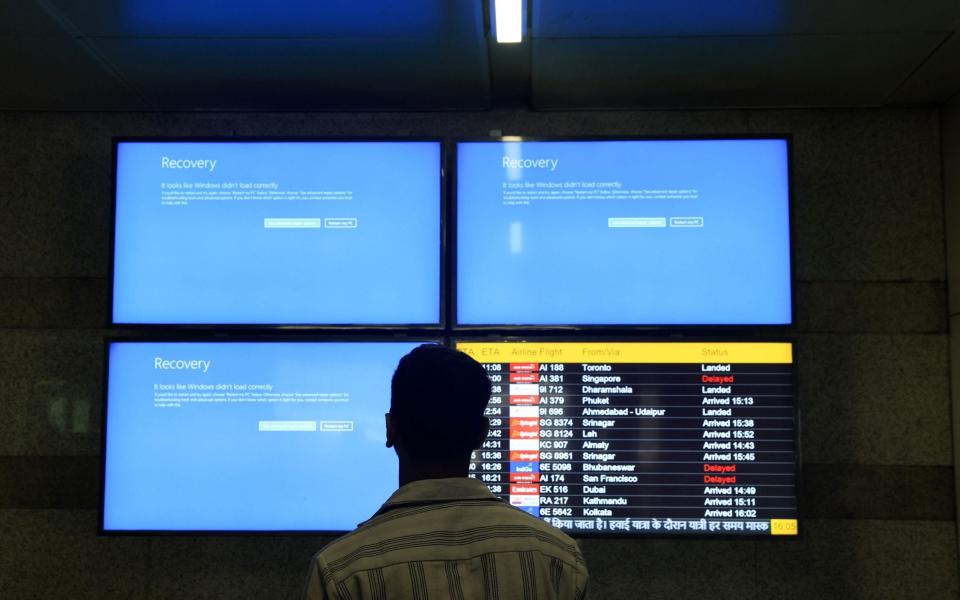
{"points": [[521, 489], [524, 456], [533, 445], [528, 412], [524, 377], [528, 400], [533, 510], [524, 433], [524, 467], [528, 367], [525, 500], [524, 389], [524, 477]]}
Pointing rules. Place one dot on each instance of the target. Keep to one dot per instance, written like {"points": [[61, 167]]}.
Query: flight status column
{"points": [[643, 438]]}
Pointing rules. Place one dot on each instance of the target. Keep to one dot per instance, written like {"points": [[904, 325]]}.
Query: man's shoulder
{"points": [[469, 544], [457, 523]]}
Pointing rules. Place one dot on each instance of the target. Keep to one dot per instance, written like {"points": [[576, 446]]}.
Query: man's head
{"points": [[437, 401]]}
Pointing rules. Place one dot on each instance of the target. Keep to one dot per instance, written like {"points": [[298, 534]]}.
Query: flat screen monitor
{"points": [[628, 232], [247, 436], [256, 232], [637, 439]]}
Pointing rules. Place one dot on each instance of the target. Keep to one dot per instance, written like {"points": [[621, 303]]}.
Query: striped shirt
{"points": [[449, 538]]}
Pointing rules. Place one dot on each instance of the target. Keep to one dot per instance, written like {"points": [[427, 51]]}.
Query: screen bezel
{"points": [[202, 337], [602, 329], [426, 328], [658, 337]]}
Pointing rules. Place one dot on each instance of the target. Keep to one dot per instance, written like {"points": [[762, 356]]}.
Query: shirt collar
{"points": [[434, 491]]}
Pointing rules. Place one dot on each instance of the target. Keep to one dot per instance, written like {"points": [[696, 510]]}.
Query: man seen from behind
{"points": [[443, 534]]}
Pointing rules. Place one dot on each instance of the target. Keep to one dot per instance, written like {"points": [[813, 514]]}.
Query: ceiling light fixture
{"points": [[508, 20]]}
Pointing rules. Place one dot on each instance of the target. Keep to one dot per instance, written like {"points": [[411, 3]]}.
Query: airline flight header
{"points": [[630, 352]]}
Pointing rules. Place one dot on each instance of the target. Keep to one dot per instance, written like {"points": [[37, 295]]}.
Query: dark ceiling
{"points": [[439, 54]]}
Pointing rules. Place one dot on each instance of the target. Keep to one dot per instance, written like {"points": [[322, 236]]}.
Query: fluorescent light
{"points": [[509, 21]]}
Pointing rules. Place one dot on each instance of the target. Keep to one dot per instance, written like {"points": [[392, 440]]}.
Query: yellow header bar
{"points": [[629, 352]]}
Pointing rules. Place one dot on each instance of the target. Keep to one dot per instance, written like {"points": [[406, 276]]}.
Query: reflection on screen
{"points": [[277, 232], [623, 232], [248, 436]]}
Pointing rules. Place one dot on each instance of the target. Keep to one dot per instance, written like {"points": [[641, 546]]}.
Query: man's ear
{"points": [[390, 435]]}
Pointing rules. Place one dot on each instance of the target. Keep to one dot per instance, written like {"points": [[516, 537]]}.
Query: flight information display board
{"points": [[643, 438], [269, 233], [674, 232]]}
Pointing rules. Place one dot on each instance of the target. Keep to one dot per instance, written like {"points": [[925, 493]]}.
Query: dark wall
{"points": [[872, 355], [950, 128]]}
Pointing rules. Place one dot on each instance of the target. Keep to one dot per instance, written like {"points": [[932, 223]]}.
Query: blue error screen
{"points": [[277, 233], [247, 436], [665, 232]]}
